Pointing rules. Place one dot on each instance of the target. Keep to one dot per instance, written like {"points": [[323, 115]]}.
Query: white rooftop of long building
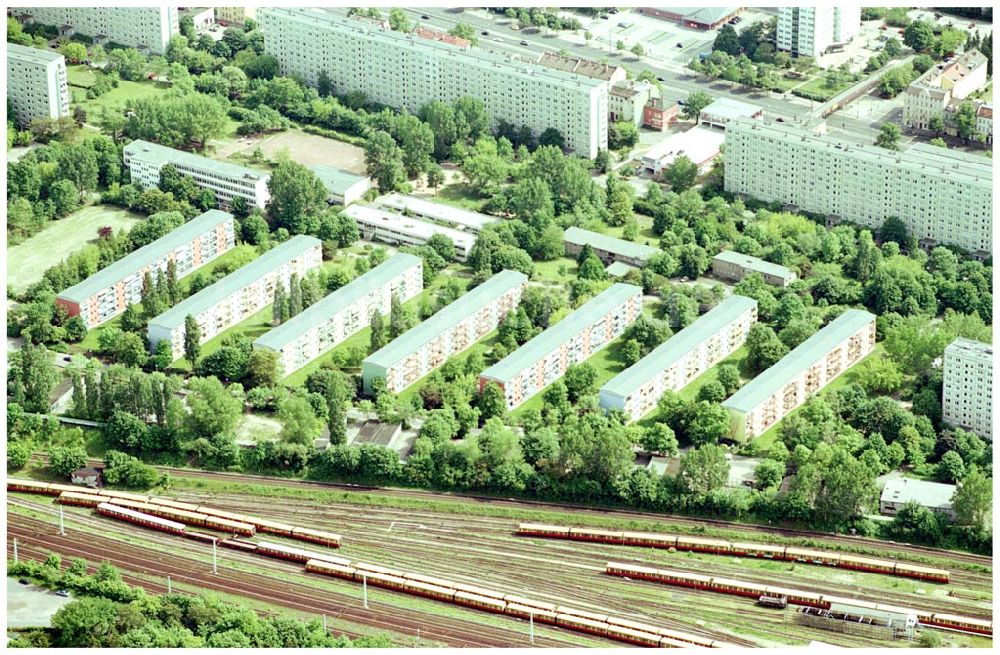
{"points": [[699, 144], [754, 263], [729, 108], [437, 211], [31, 55], [241, 277], [926, 494], [163, 155], [414, 227], [342, 298], [579, 236], [442, 321], [948, 163], [135, 261]]}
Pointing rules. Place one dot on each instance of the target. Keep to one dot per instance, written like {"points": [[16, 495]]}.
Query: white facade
{"points": [[700, 144], [237, 296], [390, 227], [346, 311], [939, 194], [942, 88], [967, 399], [460, 219], [809, 31], [227, 181], [140, 27], [407, 72], [36, 83]]}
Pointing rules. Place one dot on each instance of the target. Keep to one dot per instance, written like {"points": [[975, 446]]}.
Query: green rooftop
{"points": [[561, 332], [466, 306], [754, 264], [614, 245], [149, 253], [342, 298], [227, 286], [670, 351], [798, 361], [154, 152], [336, 180]]}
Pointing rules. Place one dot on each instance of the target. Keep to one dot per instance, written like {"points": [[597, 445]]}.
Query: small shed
{"points": [[88, 476]]}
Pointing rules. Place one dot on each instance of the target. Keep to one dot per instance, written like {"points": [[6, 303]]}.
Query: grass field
{"points": [[818, 89], [80, 78], [306, 149], [28, 261]]}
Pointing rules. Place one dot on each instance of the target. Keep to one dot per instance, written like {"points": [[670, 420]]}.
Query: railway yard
{"points": [[453, 541]]}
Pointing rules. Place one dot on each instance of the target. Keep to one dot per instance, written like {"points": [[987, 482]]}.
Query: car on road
{"points": [[23, 581], [680, 45], [425, 17], [613, 10], [660, 79], [681, 102], [524, 42], [497, 38], [63, 593], [485, 33], [780, 119]]}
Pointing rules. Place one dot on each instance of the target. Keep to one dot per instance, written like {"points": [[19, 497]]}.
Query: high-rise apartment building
{"points": [[809, 367], [967, 399], [406, 71], [417, 352], [676, 362], [227, 181], [545, 358], [809, 31], [942, 195], [346, 311], [146, 28], [107, 293], [36, 84], [237, 296]]}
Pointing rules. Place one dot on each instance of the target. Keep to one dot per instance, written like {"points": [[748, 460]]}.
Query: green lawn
{"points": [[115, 98], [549, 271], [646, 235], [817, 87], [460, 195]]}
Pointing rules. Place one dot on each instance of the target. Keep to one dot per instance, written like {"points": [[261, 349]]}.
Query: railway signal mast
{"points": [[215, 568], [15, 550], [62, 527], [364, 589]]}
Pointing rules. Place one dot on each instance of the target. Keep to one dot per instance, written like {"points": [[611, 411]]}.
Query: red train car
{"points": [[30, 486], [145, 520]]}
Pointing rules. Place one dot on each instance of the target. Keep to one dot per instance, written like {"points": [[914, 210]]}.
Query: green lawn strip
{"points": [[645, 224], [461, 195], [117, 97], [549, 271], [471, 507], [819, 87]]}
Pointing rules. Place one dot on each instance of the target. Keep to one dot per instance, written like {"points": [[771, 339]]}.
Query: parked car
{"points": [[23, 581], [680, 45], [485, 33], [524, 42], [780, 119], [63, 593], [425, 17]]}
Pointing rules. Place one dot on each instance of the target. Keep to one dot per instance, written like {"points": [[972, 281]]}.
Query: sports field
{"points": [[26, 262], [306, 149]]}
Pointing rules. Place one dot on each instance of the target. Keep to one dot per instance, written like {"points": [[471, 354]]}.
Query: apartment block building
{"points": [[144, 28], [36, 84], [734, 266], [809, 367], [545, 358], [607, 248], [942, 85], [406, 71], [227, 181], [239, 295], [235, 15], [672, 365], [454, 328], [940, 194], [809, 31], [107, 293], [967, 399], [397, 229], [349, 309], [454, 217]]}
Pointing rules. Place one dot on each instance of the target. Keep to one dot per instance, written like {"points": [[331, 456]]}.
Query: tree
{"points": [[296, 198], [895, 80], [768, 474], [659, 439], [85, 623], [973, 500], [300, 425], [214, 410], [378, 333], [848, 488], [764, 348], [951, 468], [63, 460], [398, 21], [681, 174], [695, 103], [888, 136], [131, 350], [279, 305], [703, 469], [263, 368], [18, 454], [965, 120], [32, 377], [712, 392], [550, 136], [192, 339], [465, 31], [638, 50], [919, 35], [631, 352], [706, 423], [728, 375], [492, 403], [384, 160], [923, 63], [620, 200], [622, 135], [435, 176], [579, 380], [124, 470], [894, 229], [727, 41]]}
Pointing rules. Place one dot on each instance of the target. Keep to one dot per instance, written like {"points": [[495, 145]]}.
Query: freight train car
{"points": [[145, 520]]}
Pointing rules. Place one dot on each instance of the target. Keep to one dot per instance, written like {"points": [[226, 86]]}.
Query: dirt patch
{"points": [[253, 427], [307, 149]]}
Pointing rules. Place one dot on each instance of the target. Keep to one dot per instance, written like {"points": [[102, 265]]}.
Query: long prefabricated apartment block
{"points": [[427, 346], [226, 180], [608, 249], [390, 227], [676, 362], [812, 365], [347, 310], [107, 293], [544, 359], [239, 295]]}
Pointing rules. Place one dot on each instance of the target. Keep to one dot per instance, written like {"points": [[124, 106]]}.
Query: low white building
{"points": [[723, 110], [227, 181], [397, 229], [699, 144], [932, 495], [455, 217], [734, 266], [342, 187]]}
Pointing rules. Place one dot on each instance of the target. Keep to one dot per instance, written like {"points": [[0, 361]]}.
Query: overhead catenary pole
{"points": [[364, 589], [531, 627], [15, 549], [215, 566], [324, 623], [170, 588], [62, 526]]}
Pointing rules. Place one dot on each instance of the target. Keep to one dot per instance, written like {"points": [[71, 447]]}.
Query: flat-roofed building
{"points": [[397, 229], [699, 18], [346, 311], [342, 187], [700, 144], [420, 350], [899, 491], [607, 248], [967, 397], [939, 193], [456, 217], [732, 265], [36, 84], [239, 295], [227, 181], [144, 28], [723, 110], [406, 71], [595, 70], [680, 359], [545, 358], [107, 293], [627, 100], [812, 365]]}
